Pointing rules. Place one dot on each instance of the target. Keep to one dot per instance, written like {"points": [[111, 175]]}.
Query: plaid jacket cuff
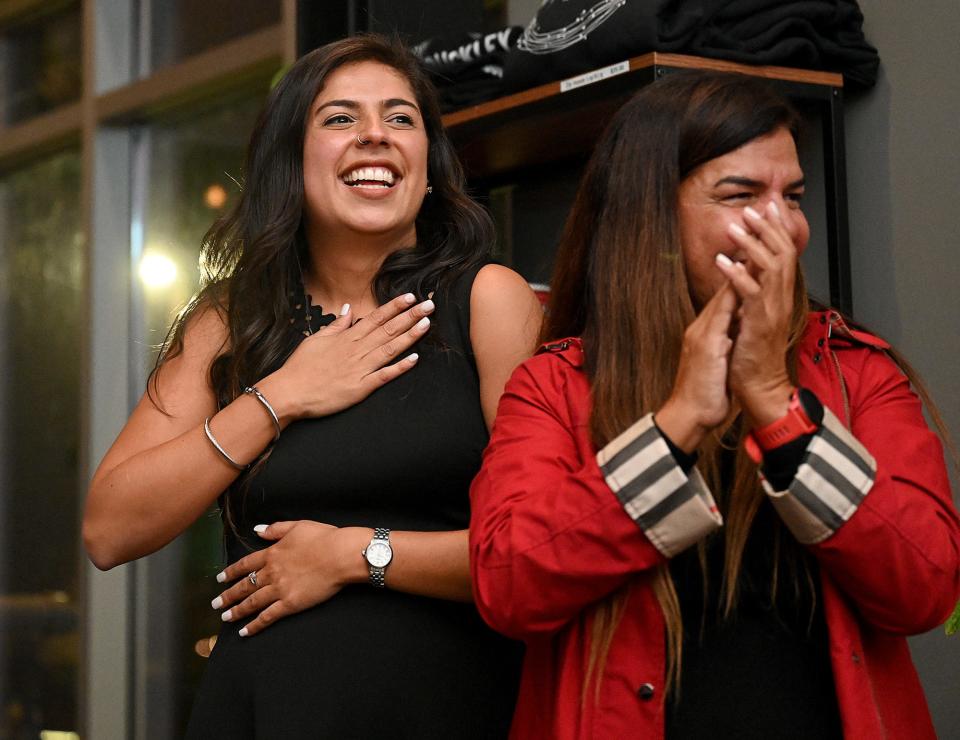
{"points": [[835, 475], [674, 510]]}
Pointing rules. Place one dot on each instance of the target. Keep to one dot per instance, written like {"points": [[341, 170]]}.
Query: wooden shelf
{"points": [[544, 124]]}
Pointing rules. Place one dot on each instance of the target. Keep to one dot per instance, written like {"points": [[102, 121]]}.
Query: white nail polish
{"points": [[221, 576], [345, 309], [217, 602], [427, 305], [261, 528], [243, 632], [413, 357], [752, 213], [422, 324], [773, 208], [227, 615], [738, 229], [409, 298], [722, 259]]}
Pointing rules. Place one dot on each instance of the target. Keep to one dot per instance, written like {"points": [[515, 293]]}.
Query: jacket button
{"points": [[816, 358], [855, 658], [820, 341], [823, 319], [645, 692]]}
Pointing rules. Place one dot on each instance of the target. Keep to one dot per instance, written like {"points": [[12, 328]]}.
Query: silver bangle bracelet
{"points": [[213, 441], [255, 392]]}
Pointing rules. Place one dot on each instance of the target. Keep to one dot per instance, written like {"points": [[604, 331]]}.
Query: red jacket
{"points": [[557, 527]]}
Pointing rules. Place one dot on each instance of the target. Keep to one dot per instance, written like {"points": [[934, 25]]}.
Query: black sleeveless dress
{"points": [[370, 662]]}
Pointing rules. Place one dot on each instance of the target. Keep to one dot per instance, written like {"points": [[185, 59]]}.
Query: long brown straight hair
{"points": [[620, 284]]}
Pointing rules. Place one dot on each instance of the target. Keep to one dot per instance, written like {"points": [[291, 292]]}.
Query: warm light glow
{"points": [[215, 196], [157, 270]]}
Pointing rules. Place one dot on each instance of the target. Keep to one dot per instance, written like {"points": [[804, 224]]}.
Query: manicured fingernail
{"points": [[752, 213], [737, 229], [227, 615], [344, 309], [774, 210], [243, 632], [427, 305], [422, 324], [261, 528], [217, 602], [409, 298], [221, 576], [722, 259], [413, 358]]}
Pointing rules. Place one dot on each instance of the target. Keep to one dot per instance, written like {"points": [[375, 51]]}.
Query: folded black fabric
{"points": [[467, 68], [569, 37], [811, 34]]}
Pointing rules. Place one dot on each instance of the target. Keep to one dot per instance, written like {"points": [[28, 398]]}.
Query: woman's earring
{"points": [[429, 189]]}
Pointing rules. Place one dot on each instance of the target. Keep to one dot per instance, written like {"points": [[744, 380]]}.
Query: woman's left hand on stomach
{"points": [[758, 368], [308, 563]]}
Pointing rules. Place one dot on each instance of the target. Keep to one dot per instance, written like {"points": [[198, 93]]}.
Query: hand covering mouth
{"points": [[736, 257]]}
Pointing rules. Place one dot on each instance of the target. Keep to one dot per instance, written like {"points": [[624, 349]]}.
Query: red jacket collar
{"points": [[570, 349], [830, 326]]}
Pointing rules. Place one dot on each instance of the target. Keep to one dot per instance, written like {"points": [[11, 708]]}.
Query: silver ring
{"points": [[361, 142], [252, 577]]}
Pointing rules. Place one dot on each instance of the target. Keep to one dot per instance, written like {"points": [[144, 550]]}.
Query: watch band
{"points": [[378, 573], [793, 425]]}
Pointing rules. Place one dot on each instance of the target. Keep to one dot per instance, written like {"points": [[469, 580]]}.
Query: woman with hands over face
{"points": [[333, 386], [708, 510]]}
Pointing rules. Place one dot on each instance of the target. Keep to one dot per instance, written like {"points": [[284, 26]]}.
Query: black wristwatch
{"points": [[804, 416]]}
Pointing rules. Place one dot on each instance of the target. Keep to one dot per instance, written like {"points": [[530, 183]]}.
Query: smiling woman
{"points": [[707, 509], [365, 156], [340, 450], [715, 198]]}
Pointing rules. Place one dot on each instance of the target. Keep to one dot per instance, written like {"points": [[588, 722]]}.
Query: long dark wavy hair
{"points": [[252, 257], [620, 283]]}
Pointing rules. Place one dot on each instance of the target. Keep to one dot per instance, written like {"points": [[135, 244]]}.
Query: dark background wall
{"points": [[903, 165]]}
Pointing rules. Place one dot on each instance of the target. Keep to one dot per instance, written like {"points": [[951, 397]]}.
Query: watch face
{"points": [[379, 554], [812, 408]]}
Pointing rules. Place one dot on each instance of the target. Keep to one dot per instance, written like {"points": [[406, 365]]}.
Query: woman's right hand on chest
{"points": [[344, 362], [163, 471]]}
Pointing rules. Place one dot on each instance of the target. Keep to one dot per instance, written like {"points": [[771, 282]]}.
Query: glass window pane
{"points": [[181, 28], [41, 270], [40, 65], [194, 167]]}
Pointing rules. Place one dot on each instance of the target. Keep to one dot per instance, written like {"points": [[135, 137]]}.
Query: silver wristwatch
{"points": [[378, 555]]}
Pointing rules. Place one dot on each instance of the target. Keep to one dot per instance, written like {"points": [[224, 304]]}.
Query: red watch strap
{"points": [[793, 425]]}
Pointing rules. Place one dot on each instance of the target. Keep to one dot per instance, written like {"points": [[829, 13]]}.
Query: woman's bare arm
{"points": [[162, 472]]}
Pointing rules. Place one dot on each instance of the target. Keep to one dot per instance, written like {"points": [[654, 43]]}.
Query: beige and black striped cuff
{"points": [[673, 510], [835, 475]]}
